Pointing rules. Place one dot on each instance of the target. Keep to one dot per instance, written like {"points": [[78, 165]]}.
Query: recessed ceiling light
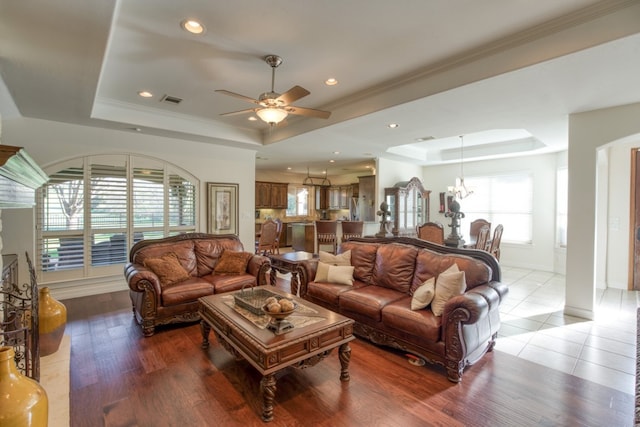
{"points": [[424, 138], [392, 125], [252, 118], [336, 152], [331, 82], [145, 94], [288, 168], [192, 26], [332, 161]]}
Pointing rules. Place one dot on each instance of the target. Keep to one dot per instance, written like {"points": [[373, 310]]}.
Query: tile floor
{"points": [[534, 328]]}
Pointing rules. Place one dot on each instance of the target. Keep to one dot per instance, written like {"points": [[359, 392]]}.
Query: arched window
{"points": [[94, 208]]}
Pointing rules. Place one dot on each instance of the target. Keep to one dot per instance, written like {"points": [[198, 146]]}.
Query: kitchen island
{"points": [[303, 236]]}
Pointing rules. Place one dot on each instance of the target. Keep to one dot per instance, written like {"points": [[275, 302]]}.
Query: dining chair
{"points": [[474, 230], [494, 247], [351, 229], [266, 242], [483, 238], [278, 234], [326, 235], [432, 232]]}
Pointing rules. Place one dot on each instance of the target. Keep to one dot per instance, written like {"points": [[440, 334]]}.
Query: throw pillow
{"points": [[167, 268], [322, 272], [449, 283], [232, 262], [423, 296], [342, 259], [340, 274]]}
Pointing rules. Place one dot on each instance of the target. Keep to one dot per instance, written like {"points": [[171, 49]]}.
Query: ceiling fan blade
{"points": [[233, 113], [237, 95], [292, 95], [309, 112]]}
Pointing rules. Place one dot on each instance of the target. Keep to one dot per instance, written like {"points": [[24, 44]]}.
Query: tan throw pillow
{"points": [[232, 262], [449, 283], [423, 296], [342, 259], [167, 268], [322, 272], [340, 274]]}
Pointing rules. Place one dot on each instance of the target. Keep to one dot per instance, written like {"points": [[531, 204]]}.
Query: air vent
{"points": [[171, 99]]}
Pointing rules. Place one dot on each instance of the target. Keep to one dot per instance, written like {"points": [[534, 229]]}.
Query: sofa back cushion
{"points": [[209, 251], [394, 266], [363, 256], [183, 251], [430, 264]]}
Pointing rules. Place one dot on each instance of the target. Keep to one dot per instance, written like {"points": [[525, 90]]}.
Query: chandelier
{"points": [[460, 190]]}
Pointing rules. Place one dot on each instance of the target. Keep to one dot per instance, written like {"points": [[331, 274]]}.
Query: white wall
{"points": [[541, 254], [589, 131], [50, 142]]}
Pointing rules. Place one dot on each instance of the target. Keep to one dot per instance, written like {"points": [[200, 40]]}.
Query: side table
{"points": [[290, 263]]}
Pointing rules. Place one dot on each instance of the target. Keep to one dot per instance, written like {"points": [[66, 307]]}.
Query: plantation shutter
{"points": [[108, 213]]}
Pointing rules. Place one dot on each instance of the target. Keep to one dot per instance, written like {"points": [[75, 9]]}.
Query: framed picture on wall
{"points": [[222, 208]]}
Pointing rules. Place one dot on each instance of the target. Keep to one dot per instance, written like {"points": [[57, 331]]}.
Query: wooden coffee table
{"points": [[316, 332]]}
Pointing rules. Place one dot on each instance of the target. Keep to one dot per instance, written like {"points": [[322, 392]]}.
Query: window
{"points": [[297, 201], [502, 199], [93, 209], [562, 200]]}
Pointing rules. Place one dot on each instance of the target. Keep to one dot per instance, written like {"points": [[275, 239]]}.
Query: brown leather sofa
{"points": [[387, 271], [173, 297]]}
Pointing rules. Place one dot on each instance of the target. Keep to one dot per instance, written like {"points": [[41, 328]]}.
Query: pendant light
{"points": [[460, 190]]}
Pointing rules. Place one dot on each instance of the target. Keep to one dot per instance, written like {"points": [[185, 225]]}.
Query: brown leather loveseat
{"points": [[387, 274], [167, 276]]}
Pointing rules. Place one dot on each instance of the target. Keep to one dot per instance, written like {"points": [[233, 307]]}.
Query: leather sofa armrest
{"points": [[467, 308], [310, 268], [141, 278], [501, 289], [258, 266]]}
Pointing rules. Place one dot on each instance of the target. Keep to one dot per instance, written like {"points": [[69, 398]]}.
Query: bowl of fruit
{"points": [[279, 308]]}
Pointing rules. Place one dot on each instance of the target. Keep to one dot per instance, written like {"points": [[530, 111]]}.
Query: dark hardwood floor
{"points": [[119, 378]]}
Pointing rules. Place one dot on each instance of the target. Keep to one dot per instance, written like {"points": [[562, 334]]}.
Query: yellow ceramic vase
{"points": [[52, 319], [24, 402]]}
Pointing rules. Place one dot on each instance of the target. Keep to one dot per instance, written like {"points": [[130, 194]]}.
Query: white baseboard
{"points": [[579, 312]]}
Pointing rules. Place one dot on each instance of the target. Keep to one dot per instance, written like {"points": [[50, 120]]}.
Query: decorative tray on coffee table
{"points": [[254, 300]]}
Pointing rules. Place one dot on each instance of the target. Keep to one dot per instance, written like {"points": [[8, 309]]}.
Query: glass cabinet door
{"points": [[408, 202]]}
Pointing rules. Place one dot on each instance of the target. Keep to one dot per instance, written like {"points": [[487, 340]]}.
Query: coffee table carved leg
{"points": [[344, 355], [268, 389], [295, 283], [205, 328], [272, 276]]}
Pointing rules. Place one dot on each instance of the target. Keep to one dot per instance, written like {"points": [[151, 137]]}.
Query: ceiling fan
{"points": [[274, 107]]}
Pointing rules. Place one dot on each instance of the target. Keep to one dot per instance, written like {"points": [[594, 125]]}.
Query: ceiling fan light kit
{"points": [[271, 115], [274, 107]]}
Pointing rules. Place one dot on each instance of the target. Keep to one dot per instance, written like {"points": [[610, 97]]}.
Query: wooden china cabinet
{"points": [[408, 203]]}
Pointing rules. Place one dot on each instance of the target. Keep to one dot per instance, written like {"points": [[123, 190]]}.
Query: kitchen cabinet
{"points": [[322, 198], [339, 197], [279, 196], [408, 203], [366, 198], [271, 195]]}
